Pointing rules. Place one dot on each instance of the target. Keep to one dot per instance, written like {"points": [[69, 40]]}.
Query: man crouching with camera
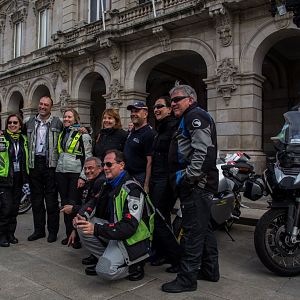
{"points": [[120, 241]]}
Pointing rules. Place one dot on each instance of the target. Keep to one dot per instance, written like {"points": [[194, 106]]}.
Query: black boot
{"points": [[90, 260], [176, 286], [136, 272], [4, 241]]}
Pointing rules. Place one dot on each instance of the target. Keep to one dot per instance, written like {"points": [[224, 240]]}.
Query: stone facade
{"points": [[232, 52]]}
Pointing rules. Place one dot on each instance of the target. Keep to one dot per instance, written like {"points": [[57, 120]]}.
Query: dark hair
{"points": [[119, 155], [18, 117], [167, 100], [45, 96]]}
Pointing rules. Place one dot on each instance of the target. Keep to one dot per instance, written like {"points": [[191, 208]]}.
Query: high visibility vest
{"points": [[144, 231], [4, 156], [71, 148]]}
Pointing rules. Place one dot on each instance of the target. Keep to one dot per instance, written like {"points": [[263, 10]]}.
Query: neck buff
{"points": [[114, 182], [14, 135]]}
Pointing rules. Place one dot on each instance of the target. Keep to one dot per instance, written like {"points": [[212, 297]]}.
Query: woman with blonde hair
{"points": [[73, 148], [111, 135]]}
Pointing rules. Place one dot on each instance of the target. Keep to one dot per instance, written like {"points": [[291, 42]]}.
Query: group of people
{"points": [[117, 193]]}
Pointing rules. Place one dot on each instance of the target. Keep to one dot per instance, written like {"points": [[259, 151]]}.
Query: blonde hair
{"points": [[75, 114]]}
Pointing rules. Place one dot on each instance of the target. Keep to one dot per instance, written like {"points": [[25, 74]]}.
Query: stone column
{"points": [[237, 110], [29, 112]]}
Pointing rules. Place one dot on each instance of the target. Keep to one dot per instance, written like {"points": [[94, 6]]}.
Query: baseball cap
{"points": [[137, 105]]}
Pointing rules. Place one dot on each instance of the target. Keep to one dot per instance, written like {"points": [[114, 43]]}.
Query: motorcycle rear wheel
{"points": [[273, 246]]}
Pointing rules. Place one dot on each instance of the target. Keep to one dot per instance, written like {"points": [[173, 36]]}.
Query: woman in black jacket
{"points": [[165, 245], [13, 175], [111, 136]]}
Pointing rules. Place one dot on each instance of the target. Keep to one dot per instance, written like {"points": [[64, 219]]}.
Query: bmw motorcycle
{"points": [[277, 234], [234, 171]]}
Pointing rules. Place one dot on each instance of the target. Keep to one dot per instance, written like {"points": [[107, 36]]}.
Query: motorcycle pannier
{"points": [[254, 188]]}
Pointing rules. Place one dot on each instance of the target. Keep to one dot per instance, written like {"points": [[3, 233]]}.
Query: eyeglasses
{"points": [[178, 98], [13, 122], [159, 106], [108, 164]]}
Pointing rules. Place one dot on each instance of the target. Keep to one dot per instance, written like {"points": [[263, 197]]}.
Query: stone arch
{"points": [[86, 71], [143, 63], [260, 43], [15, 97], [40, 87]]}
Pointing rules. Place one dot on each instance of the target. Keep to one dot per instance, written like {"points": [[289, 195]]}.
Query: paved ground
{"points": [[38, 270]]}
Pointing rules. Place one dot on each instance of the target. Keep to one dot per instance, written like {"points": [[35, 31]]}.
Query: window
{"points": [[17, 39], [43, 29], [97, 8]]}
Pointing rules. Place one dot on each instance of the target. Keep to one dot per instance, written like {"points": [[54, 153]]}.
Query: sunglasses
{"points": [[13, 122], [108, 164], [178, 98], [159, 106]]}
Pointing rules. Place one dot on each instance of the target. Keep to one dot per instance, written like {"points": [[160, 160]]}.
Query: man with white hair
{"points": [[192, 160]]}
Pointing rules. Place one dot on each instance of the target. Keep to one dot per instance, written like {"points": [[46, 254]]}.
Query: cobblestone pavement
{"points": [[39, 270]]}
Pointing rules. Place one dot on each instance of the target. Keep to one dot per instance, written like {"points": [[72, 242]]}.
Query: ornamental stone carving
{"points": [[223, 23], [91, 63], [39, 5], [115, 88], [115, 57], [163, 37], [26, 86], [225, 74], [54, 79], [64, 98], [2, 22], [19, 11], [284, 21]]}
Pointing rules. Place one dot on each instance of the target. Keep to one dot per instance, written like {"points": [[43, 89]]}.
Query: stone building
{"points": [[93, 54]]}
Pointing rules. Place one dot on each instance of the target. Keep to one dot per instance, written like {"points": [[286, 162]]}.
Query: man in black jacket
{"points": [[192, 159], [117, 229]]}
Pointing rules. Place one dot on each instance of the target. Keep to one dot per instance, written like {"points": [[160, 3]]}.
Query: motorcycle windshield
{"points": [[290, 132], [293, 132]]}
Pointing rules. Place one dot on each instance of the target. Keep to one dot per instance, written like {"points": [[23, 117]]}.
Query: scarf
{"points": [[14, 135]]}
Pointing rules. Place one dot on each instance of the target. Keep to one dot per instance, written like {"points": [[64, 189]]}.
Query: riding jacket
{"points": [[133, 218], [8, 156], [194, 148], [73, 149], [54, 128]]}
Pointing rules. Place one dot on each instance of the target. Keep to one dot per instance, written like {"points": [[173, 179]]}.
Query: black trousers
{"points": [[198, 242], [44, 197], [9, 206], [164, 242], [69, 194]]}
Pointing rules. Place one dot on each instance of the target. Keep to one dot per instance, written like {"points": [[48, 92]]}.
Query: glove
{"points": [[26, 189]]}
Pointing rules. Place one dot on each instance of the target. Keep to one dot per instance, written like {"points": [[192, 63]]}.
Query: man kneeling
{"points": [[122, 241]]}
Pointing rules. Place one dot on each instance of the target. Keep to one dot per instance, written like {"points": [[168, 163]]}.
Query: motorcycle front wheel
{"points": [[25, 204], [273, 245]]}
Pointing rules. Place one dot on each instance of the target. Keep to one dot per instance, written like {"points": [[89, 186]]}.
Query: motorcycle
{"points": [[234, 171], [277, 235], [25, 204]]}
